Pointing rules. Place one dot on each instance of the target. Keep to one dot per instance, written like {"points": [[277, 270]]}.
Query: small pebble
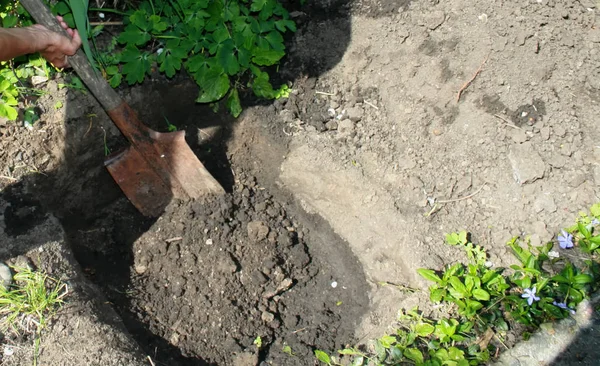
{"points": [[334, 284], [8, 351], [5, 275]]}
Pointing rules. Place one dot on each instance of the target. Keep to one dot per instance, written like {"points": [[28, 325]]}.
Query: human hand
{"points": [[55, 47]]}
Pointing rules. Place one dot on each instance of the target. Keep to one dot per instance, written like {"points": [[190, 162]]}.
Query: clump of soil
{"points": [[209, 277]]}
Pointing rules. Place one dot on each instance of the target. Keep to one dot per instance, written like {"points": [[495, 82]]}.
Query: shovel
{"points": [[156, 166]]}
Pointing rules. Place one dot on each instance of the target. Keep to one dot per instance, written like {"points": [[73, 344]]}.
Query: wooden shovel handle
{"points": [[105, 94]]}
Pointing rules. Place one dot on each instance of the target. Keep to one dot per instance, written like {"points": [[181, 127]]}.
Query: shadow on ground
{"points": [[82, 194]]}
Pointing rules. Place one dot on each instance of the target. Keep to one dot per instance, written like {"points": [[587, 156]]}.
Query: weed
{"points": [[170, 127], [30, 302], [485, 302]]}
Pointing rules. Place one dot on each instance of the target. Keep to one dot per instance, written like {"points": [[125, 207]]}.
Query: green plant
{"points": [[15, 74], [220, 43], [27, 305], [485, 302]]}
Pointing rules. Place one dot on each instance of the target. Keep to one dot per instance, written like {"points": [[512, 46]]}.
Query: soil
{"points": [[408, 120]]}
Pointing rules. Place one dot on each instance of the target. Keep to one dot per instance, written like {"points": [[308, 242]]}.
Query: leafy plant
{"points": [[485, 301], [16, 74], [220, 43]]}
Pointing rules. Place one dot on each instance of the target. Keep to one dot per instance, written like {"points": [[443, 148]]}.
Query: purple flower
{"points": [[565, 240], [564, 306], [595, 222], [530, 295]]}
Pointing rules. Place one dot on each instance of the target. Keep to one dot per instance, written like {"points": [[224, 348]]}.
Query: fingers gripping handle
{"points": [[92, 79]]}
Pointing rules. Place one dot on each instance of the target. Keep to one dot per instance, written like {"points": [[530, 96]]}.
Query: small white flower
{"points": [[334, 284], [488, 264], [159, 51], [553, 254], [101, 15]]}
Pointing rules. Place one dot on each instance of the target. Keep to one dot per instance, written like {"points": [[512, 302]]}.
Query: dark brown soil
{"points": [[208, 278]]}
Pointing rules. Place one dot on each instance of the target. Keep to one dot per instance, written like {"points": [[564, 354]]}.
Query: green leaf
{"points": [[595, 210], [199, 64], [171, 58], [233, 103], [458, 286], [79, 10], [10, 21], [285, 24], [436, 295], [456, 238], [262, 87], [266, 57], [387, 341], [115, 80], [140, 19], [583, 230], [488, 276], [481, 294], [582, 279], [455, 354], [132, 35], [414, 354], [323, 357], [424, 329], [214, 85], [258, 5], [429, 274], [275, 40], [227, 58], [136, 65], [221, 34], [112, 70], [158, 25], [8, 111]]}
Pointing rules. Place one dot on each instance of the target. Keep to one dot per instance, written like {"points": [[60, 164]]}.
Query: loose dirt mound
{"points": [[209, 277], [216, 275]]}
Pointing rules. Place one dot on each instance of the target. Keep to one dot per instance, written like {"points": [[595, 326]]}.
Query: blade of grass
{"points": [[79, 8]]}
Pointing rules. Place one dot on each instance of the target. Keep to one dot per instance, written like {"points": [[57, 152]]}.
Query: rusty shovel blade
{"points": [[157, 166], [140, 183]]}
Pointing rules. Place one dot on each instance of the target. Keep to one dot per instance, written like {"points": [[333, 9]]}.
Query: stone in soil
{"points": [[527, 164]]}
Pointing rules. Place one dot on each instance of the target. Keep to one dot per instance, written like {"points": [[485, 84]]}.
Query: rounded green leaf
{"points": [[481, 294], [424, 329], [214, 84], [414, 354], [323, 357]]}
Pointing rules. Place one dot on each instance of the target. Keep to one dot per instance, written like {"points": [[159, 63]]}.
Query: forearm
{"points": [[15, 42]]}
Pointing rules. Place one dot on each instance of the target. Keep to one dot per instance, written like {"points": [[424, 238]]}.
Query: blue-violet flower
{"points": [[529, 294], [565, 240]]}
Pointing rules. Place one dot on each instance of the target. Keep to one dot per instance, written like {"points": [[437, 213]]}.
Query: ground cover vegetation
{"points": [[227, 46], [484, 302]]}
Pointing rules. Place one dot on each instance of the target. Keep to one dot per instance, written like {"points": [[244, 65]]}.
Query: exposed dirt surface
{"points": [[408, 120], [209, 277]]}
